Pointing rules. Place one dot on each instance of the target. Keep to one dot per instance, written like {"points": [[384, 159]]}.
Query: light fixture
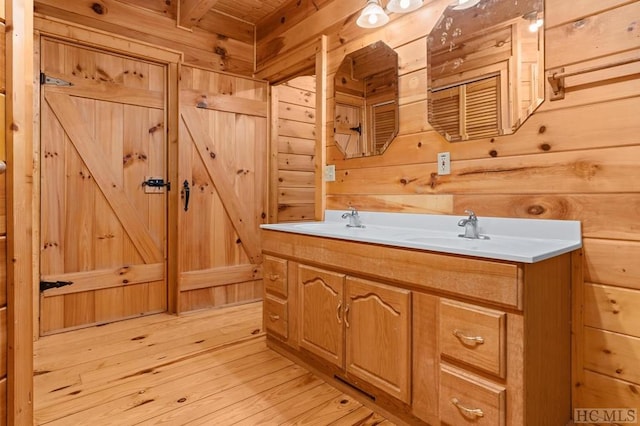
{"points": [[535, 22], [372, 16], [404, 6], [464, 4]]}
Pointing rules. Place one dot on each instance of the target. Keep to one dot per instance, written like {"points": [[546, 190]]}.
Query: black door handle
{"points": [[187, 193]]}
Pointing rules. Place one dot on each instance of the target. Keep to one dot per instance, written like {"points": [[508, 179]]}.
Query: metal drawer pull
{"points": [[274, 277], [274, 317], [478, 340], [468, 411], [339, 309]]}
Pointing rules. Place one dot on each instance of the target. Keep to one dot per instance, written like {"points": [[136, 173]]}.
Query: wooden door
{"points": [[378, 343], [321, 313], [222, 176], [101, 229]]}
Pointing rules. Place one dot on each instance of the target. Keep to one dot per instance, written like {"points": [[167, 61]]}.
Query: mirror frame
{"points": [[375, 68], [485, 69]]}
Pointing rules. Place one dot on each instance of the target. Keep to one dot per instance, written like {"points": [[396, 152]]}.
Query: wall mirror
{"points": [[366, 101], [485, 67]]}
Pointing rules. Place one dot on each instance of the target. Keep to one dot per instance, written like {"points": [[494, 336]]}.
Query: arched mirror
{"points": [[485, 67], [366, 101]]}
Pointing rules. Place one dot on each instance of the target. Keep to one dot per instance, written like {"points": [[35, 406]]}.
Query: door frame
{"points": [[90, 38]]}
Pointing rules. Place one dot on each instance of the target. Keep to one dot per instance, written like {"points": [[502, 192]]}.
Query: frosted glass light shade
{"points": [[403, 6], [372, 16], [464, 4]]}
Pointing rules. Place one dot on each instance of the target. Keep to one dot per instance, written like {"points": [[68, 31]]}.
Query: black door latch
{"points": [[157, 183]]}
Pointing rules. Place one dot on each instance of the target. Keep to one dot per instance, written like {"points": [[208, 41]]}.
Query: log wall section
{"points": [[293, 137], [218, 41], [575, 158], [3, 227]]}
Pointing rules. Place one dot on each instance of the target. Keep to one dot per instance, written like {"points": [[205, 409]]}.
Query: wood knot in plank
{"points": [[103, 75], [545, 147], [155, 128], [406, 181], [536, 210], [220, 51], [433, 180], [585, 169], [146, 401], [139, 337], [99, 8]]}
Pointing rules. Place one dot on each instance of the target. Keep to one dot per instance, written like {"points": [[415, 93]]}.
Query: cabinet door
{"points": [[321, 329], [378, 320]]}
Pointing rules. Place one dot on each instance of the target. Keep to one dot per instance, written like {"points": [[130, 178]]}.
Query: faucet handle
{"points": [[353, 212], [472, 215]]}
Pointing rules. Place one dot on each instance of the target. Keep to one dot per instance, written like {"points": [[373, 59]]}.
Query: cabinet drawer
{"points": [[276, 318], [275, 275], [467, 399], [473, 335]]}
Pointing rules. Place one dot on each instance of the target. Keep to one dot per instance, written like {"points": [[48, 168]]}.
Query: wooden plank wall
{"points": [[293, 134], [3, 227], [218, 41], [575, 159]]}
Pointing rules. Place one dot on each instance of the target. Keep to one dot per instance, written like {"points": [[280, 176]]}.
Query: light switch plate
{"points": [[330, 173], [444, 163]]}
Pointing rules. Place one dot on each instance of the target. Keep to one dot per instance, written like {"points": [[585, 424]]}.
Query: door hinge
{"points": [[45, 79], [47, 285]]}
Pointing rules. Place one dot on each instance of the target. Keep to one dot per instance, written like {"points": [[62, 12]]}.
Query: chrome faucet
{"points": [[470, 225], [354, 219]]}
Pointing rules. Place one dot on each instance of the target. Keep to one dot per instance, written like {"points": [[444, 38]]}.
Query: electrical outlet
{"points": [[330, 173], [444, 163]]}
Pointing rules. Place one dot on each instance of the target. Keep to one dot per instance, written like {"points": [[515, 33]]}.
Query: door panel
{"points": [[101, 138], [322, 313], [380, 318], [222, 157]]}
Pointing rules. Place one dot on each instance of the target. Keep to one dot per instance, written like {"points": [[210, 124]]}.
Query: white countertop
{"points": [[519, 240]]}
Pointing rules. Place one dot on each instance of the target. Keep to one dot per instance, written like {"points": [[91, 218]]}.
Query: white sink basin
{"points": [[522, 240]]}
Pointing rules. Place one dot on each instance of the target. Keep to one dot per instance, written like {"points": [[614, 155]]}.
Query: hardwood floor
{"points": [[207, 368]]}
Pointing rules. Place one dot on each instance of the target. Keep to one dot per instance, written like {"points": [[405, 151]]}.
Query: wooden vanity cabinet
{"points": [[360, 326], [432, 338]]}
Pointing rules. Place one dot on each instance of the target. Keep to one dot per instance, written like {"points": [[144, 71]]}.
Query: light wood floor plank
{"points": [[113, 343], [204, 366], [363, 416], [287, 410], [141, 358], [328, 413], [208, 368], [242, 401]]}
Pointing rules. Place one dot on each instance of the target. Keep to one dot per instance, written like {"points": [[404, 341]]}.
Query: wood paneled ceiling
{"points": [[248, 10]]}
